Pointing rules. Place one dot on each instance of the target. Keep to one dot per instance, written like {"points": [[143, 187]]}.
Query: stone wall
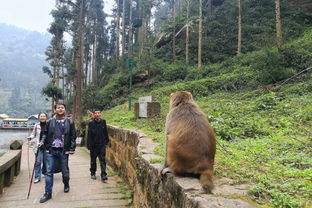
{"points": [[129, 154], [10, 164]]}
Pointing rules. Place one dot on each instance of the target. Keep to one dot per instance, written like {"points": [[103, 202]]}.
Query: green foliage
{"points": [[247, 71], [154, 66], [107, 96], [156, 160], [298, 54], [52, 91], [90, 98], [278, 64], [174, 72], [271, 66], [220, 28]]}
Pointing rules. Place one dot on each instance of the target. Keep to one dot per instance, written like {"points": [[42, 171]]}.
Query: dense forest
{"points": [[21, 81], [246, 62]]}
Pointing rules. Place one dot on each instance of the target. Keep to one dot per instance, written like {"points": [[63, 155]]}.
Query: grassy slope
{"points": [[269, 137], [264, 137]]}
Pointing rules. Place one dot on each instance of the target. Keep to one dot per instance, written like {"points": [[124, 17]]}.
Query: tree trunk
{"points": [[278, 23], [147, 20], [174, 57], [130, 33], [187, 37], [57, 73], [52, 103], [86, 67], [94, 56], [141, 30], [239, 35], [123, 27], [117, 31], [200, 28], [209, 9], [79, 64], [63, 82]]}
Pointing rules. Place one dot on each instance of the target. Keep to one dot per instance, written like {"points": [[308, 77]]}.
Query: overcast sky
{"points": [[32, 14]]}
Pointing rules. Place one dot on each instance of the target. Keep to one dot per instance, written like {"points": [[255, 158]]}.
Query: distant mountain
{"points": [[21, 60]]}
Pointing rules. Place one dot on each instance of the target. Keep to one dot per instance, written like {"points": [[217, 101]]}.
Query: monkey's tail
{"points": [[206, 181]]}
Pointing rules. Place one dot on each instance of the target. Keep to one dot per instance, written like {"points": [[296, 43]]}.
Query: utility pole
{"points": [[133, 24]]}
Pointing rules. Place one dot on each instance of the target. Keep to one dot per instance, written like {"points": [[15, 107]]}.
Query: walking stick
{"points": [[28, 153], [32, 175]]}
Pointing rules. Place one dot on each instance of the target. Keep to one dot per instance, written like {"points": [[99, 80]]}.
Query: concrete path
{"points": [[84, 192]]}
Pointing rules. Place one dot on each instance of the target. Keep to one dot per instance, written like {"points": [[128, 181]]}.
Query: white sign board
{"points": [[143, 106]]}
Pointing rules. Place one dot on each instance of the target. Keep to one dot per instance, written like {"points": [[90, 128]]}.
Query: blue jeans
{"points": [[39, 161], [51, 159]]}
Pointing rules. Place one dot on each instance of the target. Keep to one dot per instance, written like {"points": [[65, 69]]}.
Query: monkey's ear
{"points": [[190, 94], [171, 94]]}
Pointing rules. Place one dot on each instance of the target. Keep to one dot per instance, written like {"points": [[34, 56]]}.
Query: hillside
{"points": [[21, 60], [263, 129]]}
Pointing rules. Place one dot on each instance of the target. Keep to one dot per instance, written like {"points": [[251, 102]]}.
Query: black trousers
{"points": [[99, 152]]}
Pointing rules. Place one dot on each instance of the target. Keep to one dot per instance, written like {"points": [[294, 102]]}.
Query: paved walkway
{"points": [[84, 192]]}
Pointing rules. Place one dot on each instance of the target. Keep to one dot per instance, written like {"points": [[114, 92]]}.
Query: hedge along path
{"points": [[84, 192]]}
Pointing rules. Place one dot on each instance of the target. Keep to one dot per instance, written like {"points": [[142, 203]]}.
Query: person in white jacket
{"points": [[35, 141]]}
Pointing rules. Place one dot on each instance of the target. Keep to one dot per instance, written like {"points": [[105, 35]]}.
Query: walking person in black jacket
{"points": [[97, 141], [59, 140]]}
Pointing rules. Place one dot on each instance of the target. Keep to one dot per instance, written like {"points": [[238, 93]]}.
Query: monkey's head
{"points": [[180, 97]]}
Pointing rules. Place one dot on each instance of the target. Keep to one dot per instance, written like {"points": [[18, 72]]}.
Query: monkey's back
{"points": [[191, 140]]}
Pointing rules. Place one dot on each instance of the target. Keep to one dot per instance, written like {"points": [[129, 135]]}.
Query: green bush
{"points": [[271, 66], [110, 95], [174, 72], [298, 54]]}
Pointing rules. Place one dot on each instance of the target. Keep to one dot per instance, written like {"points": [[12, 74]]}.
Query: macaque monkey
{"points": [[190, 140]]}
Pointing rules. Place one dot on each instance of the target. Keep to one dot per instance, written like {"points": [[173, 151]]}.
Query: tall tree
{"points": [[200, 34], [55, 52], [140, 38], [187, 32], [174, 56], [79, 51], [130, 31], [78, 28], [118, 30], [239, 35], [209, 9], [97, 41], [123, 41], [278, 22]]}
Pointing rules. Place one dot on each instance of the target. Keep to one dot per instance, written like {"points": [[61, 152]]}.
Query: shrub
{"points": [[271, 66], [298, 54], [174, 72]]}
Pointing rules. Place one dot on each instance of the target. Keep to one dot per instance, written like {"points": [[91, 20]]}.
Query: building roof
{"points": [[33, 117], [16, 119], [2, 116]]}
